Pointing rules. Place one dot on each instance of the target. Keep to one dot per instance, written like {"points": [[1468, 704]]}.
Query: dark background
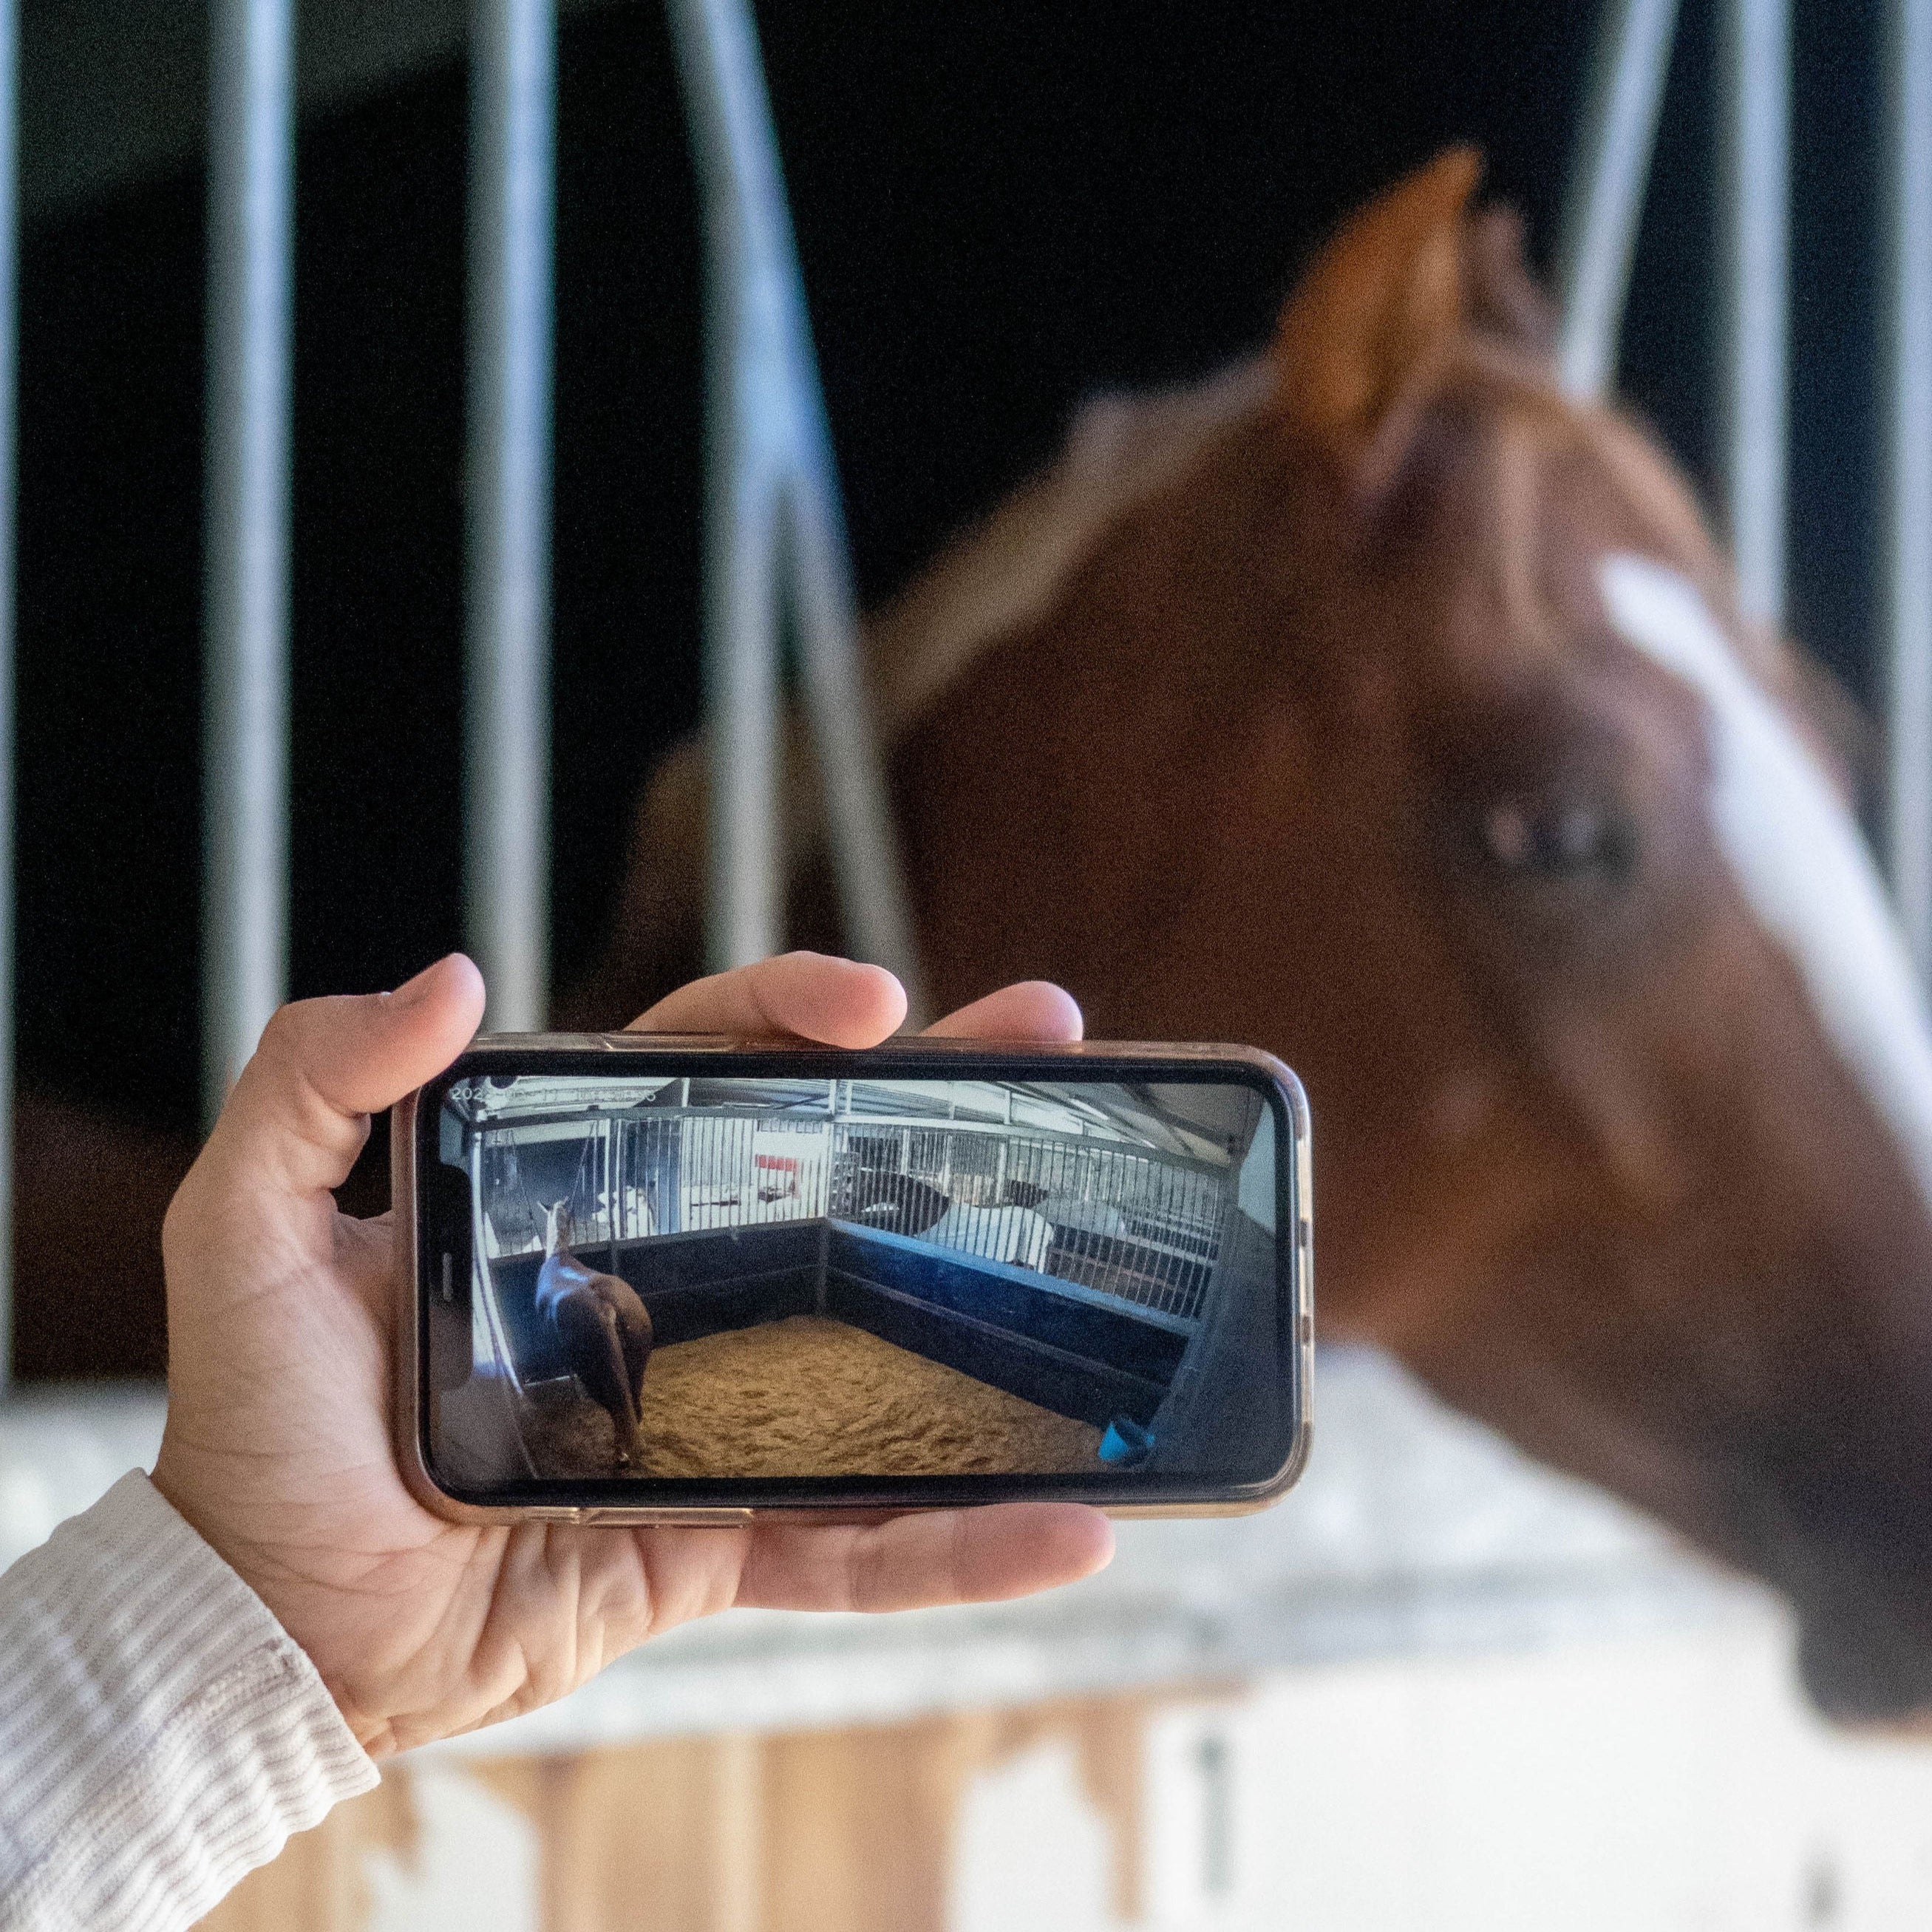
{"points": [[1002, 206]]}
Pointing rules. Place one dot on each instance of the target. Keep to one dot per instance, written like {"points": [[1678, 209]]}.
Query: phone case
{"points": [[410, 1412]]}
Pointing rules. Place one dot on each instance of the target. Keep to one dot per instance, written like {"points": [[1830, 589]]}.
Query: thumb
{"points": [[298, 1115]]}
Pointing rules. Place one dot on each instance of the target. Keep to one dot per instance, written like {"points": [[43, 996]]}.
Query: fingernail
{"points": [[411, 991]]}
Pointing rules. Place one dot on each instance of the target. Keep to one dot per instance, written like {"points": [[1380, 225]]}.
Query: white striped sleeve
{"points": [[161, 1734]]}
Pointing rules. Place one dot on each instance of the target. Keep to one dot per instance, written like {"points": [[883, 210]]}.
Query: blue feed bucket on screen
{"points": [[1126, 1443]]}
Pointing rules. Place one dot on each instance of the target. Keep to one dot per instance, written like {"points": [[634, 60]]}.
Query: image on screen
{"points": [[749, 1278]]}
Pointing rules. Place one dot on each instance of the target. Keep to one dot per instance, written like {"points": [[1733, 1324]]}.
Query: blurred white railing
{"points": [[1415, 1532]]}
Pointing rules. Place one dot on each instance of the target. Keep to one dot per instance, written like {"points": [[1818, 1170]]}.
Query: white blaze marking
{"points": [[1797, 853]]}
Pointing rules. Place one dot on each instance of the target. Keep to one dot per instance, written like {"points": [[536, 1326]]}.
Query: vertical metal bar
{"points": [[1167, 1282], [1755, 171], [745, 899], [10, 32], [770, 454], [1631, 62], [620, 1224], [1908, 512], [513, 86], [245, 704]]}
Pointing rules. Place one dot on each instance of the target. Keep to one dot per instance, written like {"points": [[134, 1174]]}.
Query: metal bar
{"points": [[245, 704], [10, 36], [745, 920], [1755, 185], [1907, 562], [513, 88], [745, 435], [1631, 63], [770, 452]]}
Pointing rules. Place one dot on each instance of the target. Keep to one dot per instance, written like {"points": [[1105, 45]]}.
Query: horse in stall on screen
{"points": [[1375, 703], [604, 1330]]}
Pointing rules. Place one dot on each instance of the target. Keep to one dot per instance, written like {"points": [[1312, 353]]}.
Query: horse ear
{"points": [[1505, 299], [1364, 336]]}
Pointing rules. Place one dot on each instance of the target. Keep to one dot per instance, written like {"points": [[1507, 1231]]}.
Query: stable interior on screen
{"points": [[760, 1278]]}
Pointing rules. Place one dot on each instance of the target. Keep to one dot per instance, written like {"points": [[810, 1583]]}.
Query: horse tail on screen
{"points": [[588, 1327]]}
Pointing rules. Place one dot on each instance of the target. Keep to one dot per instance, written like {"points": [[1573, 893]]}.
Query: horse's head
{"points": [[1625, 1087], [555, 1225], [1375, 704]]}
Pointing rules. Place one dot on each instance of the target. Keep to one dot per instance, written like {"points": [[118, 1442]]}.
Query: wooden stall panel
{"points": [[845, 1831]]}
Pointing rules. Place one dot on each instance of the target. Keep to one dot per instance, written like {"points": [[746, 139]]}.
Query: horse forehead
{"points": [[1793, 849], [1517, 529]]}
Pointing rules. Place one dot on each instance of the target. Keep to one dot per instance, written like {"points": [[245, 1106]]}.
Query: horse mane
{"points": [[1000, 578], [1001, 575]]}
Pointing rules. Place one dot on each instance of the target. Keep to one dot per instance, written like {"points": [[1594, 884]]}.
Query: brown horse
{"points": [[603, 1328], [1375, 703]]}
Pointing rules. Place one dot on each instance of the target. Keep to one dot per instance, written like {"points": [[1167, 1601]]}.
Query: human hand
{"points": [[277, 1446]]}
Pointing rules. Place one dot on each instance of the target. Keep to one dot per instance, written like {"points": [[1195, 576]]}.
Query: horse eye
{"points": [[1547, 838]]}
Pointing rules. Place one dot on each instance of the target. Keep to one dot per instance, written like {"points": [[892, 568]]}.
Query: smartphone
{"points": [[648, 1279]]}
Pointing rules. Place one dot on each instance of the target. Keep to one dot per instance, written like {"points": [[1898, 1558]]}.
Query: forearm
{"points": [[160, 1734]]}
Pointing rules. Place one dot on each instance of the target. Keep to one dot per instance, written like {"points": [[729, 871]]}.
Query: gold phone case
{"points": [[411, 1419]]}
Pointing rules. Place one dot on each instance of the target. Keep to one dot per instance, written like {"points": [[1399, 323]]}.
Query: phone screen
{"points": [[669, 1281]]}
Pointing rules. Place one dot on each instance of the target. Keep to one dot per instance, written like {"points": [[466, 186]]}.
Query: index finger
{"points": [[807, 995], [1034, 1009]]}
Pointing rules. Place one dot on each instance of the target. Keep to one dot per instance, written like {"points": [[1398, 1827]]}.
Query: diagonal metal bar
{"points": [[245, 700], [1907, 555], [1755, 192], [1629, 67], [775, 519]]}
